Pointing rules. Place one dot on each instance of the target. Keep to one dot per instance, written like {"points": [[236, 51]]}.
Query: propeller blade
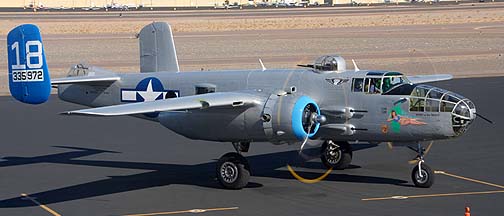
{"points": [[304, 142], [484, 118]]}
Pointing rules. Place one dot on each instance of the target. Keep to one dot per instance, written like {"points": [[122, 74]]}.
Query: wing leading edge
{"points": [[429, 78], [219, 99]]}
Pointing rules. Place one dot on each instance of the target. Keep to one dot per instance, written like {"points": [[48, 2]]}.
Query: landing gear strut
{"points": [[233, 170], [336, 155], [422, 175]]}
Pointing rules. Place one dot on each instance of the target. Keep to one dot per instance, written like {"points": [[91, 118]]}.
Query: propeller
{"points": [[484, 118], [310, 119]]}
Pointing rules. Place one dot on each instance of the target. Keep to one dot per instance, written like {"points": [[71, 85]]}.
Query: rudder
{"points": [[157, 48], [29, 80]]}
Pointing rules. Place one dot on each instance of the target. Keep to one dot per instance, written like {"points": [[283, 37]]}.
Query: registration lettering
{"points": [[27, 75]]}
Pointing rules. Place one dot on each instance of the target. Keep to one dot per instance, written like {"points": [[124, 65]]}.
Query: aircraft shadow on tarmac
{"points": [[203, 175]]}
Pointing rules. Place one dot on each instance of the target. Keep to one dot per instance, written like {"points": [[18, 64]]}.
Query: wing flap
{"points": [[429, 78], [220, 99]]}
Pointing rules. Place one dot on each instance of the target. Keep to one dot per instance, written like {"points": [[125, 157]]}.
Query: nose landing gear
{"points": [[422, 175]]}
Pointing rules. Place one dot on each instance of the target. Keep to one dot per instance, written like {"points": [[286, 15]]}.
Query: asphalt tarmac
{"points": [[73, 165]]}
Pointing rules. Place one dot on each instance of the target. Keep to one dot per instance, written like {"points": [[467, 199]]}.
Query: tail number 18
{"points": [[37, 54]]}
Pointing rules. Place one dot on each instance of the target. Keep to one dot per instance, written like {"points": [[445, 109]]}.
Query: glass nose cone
{"points": [[462, 115]]}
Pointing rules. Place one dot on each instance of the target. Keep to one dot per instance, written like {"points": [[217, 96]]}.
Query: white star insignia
{"points": [[149, 94]]}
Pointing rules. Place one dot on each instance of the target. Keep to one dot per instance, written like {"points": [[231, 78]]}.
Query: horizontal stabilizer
{"points": [[85, 79], [219, 99], [429, 78]]}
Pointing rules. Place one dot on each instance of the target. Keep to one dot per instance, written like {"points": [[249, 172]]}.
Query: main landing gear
{"points": [[336, 155], [233, 170], [422, 175]]}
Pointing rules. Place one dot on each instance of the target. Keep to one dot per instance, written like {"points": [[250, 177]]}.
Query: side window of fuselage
{"points": [[374, 85], [357, 84]]}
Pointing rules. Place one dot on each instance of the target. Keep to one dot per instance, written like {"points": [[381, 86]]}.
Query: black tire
{"points": [[233, 171], [336, 156], [427, 178]]}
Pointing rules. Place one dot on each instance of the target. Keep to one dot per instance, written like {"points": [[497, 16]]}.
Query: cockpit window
{"points": [[391, 82], [374, 86], [387, 83], [402, 89], [358, 84]]}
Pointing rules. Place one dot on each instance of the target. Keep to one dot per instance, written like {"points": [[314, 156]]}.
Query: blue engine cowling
{"points": [[288, 118]]}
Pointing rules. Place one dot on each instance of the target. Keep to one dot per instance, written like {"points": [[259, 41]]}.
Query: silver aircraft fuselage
{"points": [[352, 115]]}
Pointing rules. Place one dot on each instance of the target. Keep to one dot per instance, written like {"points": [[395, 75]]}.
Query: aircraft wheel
{"points": [[336, 155], [233, 171], [427, 178]]}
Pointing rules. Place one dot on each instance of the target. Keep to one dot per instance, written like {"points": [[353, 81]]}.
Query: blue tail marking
{"points": [[29, 80]]}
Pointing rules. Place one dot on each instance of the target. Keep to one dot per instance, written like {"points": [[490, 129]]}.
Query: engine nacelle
{"points": [[282, 118], [290, 118]]}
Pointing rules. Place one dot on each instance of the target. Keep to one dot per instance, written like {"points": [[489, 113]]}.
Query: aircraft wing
{"points": [[429, 78], [203, 101], [85, 79]]}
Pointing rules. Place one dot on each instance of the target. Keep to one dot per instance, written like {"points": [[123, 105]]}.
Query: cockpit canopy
{"points": [[382, 82]]}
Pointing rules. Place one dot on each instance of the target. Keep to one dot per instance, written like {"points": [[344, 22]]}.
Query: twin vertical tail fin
{"points": [[29, 80], [157, 49]]}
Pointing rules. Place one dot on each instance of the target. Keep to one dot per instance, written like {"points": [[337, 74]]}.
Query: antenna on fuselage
{"points": [[355, 65], [263, 68]]}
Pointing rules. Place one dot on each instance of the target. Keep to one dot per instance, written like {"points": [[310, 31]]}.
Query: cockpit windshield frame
{"points": [[380, 82]]}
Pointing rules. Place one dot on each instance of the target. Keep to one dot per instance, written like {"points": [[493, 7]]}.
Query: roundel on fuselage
{"points": [[148, 89]]}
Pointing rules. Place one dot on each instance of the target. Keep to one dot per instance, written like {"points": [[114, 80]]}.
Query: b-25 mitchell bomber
{"points": [[322, 101]]}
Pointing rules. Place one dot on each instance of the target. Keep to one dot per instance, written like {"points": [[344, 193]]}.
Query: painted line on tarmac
{"points": [[41, 205], [469, 179], [194, 211], [445, 194], [432, 195]]}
